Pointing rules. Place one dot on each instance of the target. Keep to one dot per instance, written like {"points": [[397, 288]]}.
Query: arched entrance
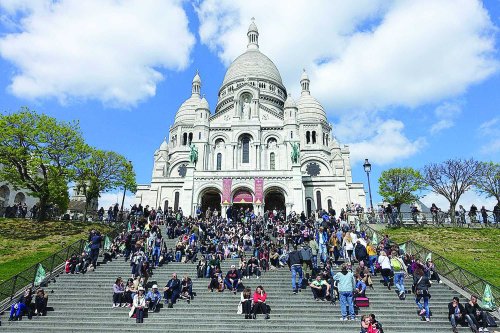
{"points": [[274, 200], [242, 199], [210, 199], [20, 198], [4, 196]]}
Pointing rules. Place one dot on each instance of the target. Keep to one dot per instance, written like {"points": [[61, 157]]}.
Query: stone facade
{"points": [[250, 136]]}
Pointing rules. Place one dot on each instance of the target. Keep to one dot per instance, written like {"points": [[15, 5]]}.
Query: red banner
{"points": [[259, 190], [226, 190]]}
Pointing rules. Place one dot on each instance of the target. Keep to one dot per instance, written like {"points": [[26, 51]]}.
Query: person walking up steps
{"points": [[399, 269], [295, 265]]}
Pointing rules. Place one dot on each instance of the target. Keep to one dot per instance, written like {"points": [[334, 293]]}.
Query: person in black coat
{"points": [[474, 314], [456, 313], [360, 252], [172, 290]]}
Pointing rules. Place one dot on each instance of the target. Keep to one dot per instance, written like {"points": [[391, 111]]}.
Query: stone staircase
{"points": [[84, 303]]}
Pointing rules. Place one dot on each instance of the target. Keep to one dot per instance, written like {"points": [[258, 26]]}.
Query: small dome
{"points": [[203, 104], [186, 112], [164, 145], [310, 110], [290, 102]]}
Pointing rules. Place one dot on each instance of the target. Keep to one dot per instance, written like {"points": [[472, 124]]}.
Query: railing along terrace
{"points": [[53, 265], [461, 277]]}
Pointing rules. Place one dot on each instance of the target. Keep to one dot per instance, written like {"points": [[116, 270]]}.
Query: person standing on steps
{"points": [[422, 285], [95, 244], [295, 265], [346, 286]]}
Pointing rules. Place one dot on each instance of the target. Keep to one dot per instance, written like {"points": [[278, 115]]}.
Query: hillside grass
{"points": [[476, 250], [23, 243]]}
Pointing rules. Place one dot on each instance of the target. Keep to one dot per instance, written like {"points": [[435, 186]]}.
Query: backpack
{"points": [[396, 264]]}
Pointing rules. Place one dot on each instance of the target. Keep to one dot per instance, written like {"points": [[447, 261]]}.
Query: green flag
{"points": [[129, 227], [403, 247], [86, 249], [375, 238], [488, 301], [107, 243], [40, 275]]}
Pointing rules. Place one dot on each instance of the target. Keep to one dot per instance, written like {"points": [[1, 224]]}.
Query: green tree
{"points": [[451, 179], [400, 186], [488, 181], [104, 171], [39, 153]]}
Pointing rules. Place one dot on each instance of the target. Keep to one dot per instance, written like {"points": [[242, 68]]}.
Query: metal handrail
{"points": [[461, 277], [441, 218], [53, 265]]}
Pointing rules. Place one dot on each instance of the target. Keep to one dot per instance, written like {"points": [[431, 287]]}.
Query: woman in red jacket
{"points": [[259, 302]]}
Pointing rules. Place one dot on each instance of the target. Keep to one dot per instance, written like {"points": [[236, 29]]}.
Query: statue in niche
{"points": [[246, 113]]}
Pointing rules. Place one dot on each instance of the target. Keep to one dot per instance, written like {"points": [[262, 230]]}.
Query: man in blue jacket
{"points": [[172, 290], [95, 244]]}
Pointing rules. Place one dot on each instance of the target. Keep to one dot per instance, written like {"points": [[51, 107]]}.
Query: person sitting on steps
{"points": [[476, 316], [259, 303], [320, 288], [41, 300], [187, 289], [138, 306], [456, 313], [22, 306], [172, 290], [232, 279], [253, 267], [246, 303], [153, 298]]}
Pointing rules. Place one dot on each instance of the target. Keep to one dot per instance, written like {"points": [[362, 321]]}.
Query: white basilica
{"points": [[244, 148]]}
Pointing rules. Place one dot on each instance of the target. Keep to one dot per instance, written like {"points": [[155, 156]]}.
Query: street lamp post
{"points": [[368, 169], [124, 191]]}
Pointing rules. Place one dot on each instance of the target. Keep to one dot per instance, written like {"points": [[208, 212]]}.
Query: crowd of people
{"points": [[325, 253]]}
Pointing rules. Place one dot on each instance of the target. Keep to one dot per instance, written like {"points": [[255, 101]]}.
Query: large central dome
{"points": [[252, 64]]}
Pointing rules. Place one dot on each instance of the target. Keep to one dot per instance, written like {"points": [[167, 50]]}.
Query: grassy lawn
{"points": [[23, 243], [476, 250]]}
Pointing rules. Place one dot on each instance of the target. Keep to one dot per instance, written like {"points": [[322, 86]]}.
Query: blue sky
{"points": [[404, 83]]}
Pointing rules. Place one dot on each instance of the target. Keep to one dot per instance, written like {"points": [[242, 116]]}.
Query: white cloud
{"points": [[111, 198], [490, 130], [466, 200], [381, 141], [362, 54], [446, 114], [96, 49]]}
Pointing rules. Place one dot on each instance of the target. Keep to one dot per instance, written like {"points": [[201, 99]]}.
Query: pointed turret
{"points": [[304, 83], [196, 86]]}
